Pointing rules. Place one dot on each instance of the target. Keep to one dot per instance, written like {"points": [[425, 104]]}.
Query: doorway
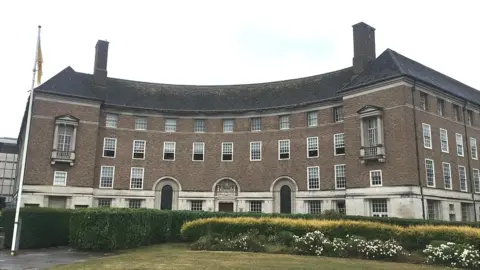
{"points": [[225, 207], [166, 198], [285, 200]]}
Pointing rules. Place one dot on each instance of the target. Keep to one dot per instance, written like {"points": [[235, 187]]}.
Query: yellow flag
{"points": [[39, 62]]}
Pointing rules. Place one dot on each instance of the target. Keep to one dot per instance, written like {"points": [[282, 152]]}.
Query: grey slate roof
{"points": [[249, 97]]}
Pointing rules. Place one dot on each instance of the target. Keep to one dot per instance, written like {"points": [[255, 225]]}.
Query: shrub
{"points": [[108, 229], [453, 255], [249, 241], [40, 227]]}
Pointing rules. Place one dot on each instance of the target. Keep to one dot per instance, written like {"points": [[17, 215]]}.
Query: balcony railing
{"points": [[372, 153], [63, 154], [63, 157]]}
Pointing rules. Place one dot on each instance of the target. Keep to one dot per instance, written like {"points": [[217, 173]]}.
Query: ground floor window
{"points": [[256, 206], [104, 202], [196, 205], [134, 203], [339, 206], [315, 207], [77, 206], [467, 212], [379, 208], [433, 209]]}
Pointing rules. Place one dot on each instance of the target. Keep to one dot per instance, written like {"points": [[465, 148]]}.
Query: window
{"points": [[379, 208], [430, 172], [109, 147], [134, 203], [440, 107], [283, 149], [315, 207], [139, 149], [79, 206], [444, 140], [447, 175], [312, 147], [227, 151], [427, 136], [313, 178], [376, 178], [170, 125], [339, 143], [469, 117], [473, 147], [107, 174], [111, 120], [255, 151], [476, 180], [433, 209], [104, 202], [451, 207], [338, 114], [462, 176], [371, 124], [199, 125], [340, 179], [196, 205], [424, 101], [459, 140], [284, 122], [340, 206], [63, 148], [456, 112], [312, 119], [140, 123], [256, 123], [136, 178], [228, 125], [198, 151], [65, 133], [256, 206], [60, 178], [169, 150], [467, 209]]}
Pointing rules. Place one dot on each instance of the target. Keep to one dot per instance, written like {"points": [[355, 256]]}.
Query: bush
{"points": [[109, 229], [40, 227], [412, 238], [453, 255], [249, 241]]}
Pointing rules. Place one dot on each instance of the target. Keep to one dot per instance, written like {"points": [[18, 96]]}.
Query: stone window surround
{"points": [[372, 112], [67, 120]]}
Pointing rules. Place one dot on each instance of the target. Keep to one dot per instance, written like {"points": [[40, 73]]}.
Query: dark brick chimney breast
{"points": [[100, 65], [363, 46]]}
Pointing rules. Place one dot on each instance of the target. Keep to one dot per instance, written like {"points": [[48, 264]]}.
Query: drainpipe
{"points": [[467, 146], [416, 147]]}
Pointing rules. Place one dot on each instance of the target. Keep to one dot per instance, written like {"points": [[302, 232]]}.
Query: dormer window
{"points": [[371, 129], [64, 140]]}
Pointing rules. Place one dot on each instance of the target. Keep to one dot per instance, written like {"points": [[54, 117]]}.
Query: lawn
{"points": [[178, 256]]}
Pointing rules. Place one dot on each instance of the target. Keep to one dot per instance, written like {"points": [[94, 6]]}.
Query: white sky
{"points": [[225, 42]]}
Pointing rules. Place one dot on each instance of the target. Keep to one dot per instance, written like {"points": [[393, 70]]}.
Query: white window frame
{"points": [[280, 142], [317, 168], [335, 144], [223, 152], [131, 177], [337, 176], [114, 149], [380, 174], [256, 124], [427, 160], [260, 147], [251, 205], [101, 175], [199, 209], [459, 144], [228, 125], [379, 214], [338, 117], [427, 142], [423, 100], [170, 125], [440, 107], [444, 165], [203, 151], [473, 148], [310, 204], [476, 180], [284, 122], [55, 174], [144, 149], [462, 179], [134, 202], [444, 132], [137, 123], [196, 128], [315, 142], [108, 122], [174, 150], [312, 119]]}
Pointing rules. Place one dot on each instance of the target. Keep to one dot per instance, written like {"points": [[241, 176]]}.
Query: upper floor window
{"points": [[473, 147], [440, 107], [199, 125], [198, 151], [312, 147], [372, 132], [339, 144], [376, 178], [228, 125], [136, 178], [313, 178], [427, 136], [447, 175], [256, 124], [60, 178], [139, 149], [456, 112], [255, 151], [312, 119], [107, 174], [65, 134], [338, 114], [64, 139], [444, 140], [430, 172], [340, 179], [283, 149], [462, 176], [284, 122], [170, 125], [476, 180], [469, 117], [424, 101], [111, 120], [169, 150], [140, 123], [459, 140], [227, 151], [109, 147]]}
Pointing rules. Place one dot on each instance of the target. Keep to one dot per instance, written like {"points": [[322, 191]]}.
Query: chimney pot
{"points": [[100, 65], [363, 46]]}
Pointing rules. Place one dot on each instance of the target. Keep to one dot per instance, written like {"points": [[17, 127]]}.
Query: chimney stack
{"points": [[100, 65], [363, 46]]}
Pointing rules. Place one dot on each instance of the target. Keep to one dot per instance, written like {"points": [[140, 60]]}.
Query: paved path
{"points": [[43, 258]]}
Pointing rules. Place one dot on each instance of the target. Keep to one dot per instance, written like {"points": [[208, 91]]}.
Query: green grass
{"points": [[178, 256]]}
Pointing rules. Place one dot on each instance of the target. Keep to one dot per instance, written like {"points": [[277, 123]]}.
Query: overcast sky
{"points": [[225, 42]]}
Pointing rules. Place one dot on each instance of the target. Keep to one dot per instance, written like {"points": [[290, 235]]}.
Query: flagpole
{"points": [[15, 244]]}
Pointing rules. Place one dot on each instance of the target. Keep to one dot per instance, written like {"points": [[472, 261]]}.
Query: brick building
{"points": [[386, 136], [8, 169]]}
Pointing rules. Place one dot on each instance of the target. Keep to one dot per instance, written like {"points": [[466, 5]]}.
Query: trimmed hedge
{"points": [[40, 227], [108, 229], [412, 238]]}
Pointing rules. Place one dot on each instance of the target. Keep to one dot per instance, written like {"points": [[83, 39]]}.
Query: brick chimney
{"points": [[363, 46], [100, 65]]}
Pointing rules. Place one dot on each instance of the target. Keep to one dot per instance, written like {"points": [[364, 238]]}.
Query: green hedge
{"points": [[40, 227], [108, 229]]}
